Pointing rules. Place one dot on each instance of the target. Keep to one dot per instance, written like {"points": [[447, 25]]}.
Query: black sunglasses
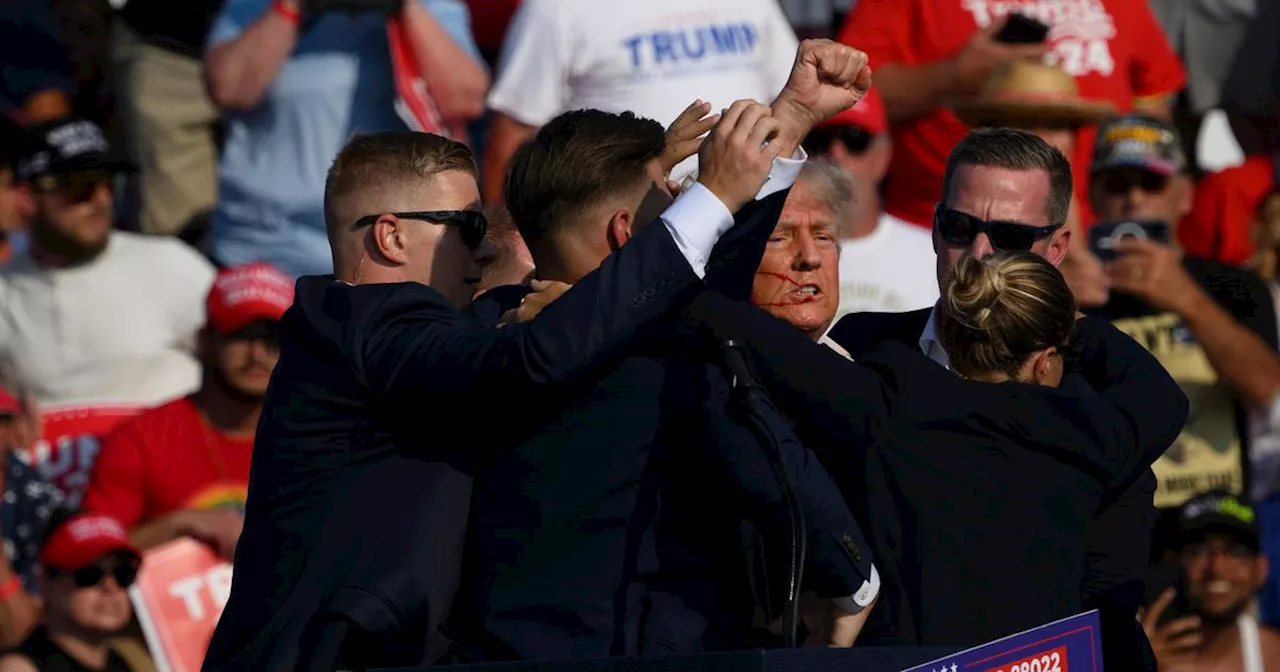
{"points": [[1119, 182], [960, 228], [76, 187], [471, 223], [124, 574], [854, 139]]}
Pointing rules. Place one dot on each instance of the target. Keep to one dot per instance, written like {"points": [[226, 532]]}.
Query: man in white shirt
{"points": [[651, 58], [94, 323]]}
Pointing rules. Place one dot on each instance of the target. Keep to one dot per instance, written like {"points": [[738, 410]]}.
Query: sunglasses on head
{"points": [[960, 228], [471, 223], [1121, 181], [124, 574], [76, 187]]}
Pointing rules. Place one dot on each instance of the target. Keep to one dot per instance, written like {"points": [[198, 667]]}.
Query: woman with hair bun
{"points": [[1007, 316], [976, 485]]}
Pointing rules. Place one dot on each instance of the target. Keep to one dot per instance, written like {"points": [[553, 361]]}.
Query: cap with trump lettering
{"points": [[66, 146], [249, 293], [82, 540]]}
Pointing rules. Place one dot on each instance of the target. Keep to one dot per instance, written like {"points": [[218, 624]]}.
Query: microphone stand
{"points": [[751, 396]]}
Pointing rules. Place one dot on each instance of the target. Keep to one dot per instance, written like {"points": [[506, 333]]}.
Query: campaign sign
{"points": [[181, 590], [1069, 645]]}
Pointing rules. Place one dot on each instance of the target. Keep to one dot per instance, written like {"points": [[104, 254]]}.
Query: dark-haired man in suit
{"points": [[1009, 190], [594, 534]]}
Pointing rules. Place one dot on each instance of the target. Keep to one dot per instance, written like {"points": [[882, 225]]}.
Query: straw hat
{"points": [[1021, 93]]}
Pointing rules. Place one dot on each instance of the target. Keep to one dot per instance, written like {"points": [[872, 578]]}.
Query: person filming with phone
{"points": [[1204, 623], [1212, 326]]}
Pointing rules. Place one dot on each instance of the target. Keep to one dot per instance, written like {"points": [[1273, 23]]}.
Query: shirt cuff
{"points": [[688, 217], [696, 221], [783, 173], [863, 598]]}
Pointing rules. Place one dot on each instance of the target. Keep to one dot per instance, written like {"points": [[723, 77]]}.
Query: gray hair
{"points": [[833, 187]]}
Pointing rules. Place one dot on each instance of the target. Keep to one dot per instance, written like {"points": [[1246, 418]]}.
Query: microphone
{"points": [[751, 396]]}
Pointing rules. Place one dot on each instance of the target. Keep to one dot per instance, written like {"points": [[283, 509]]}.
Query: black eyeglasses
{"points": [[76, 187], [471, 223], [124, 574], [960, 228]]}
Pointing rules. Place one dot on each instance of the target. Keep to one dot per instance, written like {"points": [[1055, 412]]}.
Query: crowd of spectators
{"points": [[162, 171]]}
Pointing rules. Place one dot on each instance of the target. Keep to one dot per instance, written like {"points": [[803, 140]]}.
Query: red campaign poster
{"points": [[413, 100], [180, 593], [71, 437]]}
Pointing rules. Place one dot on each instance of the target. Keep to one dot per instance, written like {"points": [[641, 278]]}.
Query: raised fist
{"points": [[826, 79]]}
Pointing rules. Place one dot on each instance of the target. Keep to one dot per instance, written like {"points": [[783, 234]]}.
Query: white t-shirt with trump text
{"points": [[653, 58]]}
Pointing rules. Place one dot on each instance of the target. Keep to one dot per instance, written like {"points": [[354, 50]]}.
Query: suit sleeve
{"points": [[1132, 380], [436, 353], [838, 557], [405, 349], [827, 395], [1118, 542], [731, 270]]}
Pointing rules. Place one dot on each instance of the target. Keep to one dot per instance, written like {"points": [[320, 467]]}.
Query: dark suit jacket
{"points": [[1015, 448], [1119, 540], [612, 526], [358, 491]]}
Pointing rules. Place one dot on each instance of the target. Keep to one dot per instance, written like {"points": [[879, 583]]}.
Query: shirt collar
{"points": [[929, 343]]}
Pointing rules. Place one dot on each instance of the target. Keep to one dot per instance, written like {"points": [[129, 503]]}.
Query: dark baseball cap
{"points": [[1136, 141], [1218, 512], [66, 146]]}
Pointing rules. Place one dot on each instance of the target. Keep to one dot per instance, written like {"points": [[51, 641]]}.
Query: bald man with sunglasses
{"points": [[1007, 189]]}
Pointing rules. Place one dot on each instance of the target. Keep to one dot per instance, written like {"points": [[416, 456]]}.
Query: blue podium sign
{"points": [[1069, 645]]}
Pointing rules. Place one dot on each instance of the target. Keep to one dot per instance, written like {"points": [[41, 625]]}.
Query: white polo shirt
{"points": [[119, 330]]}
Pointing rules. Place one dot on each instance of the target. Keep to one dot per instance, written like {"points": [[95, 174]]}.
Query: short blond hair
{"points": [[376, 160], [998, 310]]}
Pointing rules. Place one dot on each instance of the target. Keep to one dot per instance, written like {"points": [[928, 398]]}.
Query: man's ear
{"points": [[1261, 568], [1058, 246], [389, 240], [619, 230]]}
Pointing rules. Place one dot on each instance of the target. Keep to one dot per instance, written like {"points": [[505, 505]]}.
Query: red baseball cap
{"points": [[9, 404], [82, 540], [868, 114], [245, 294]]}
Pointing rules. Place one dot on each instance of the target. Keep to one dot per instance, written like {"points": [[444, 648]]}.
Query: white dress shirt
{"points": [[929, 343], [697, 219]]}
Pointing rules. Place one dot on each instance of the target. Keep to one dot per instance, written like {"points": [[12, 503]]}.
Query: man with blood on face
{"points": [[798, 280]]}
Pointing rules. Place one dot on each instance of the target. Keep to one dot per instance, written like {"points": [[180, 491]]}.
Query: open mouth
{"points": [[805, 293], [1218, 587]]}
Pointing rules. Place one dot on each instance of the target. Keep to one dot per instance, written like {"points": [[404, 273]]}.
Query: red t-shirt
{"points": [[489, 20], [1220, 224], [1114, 48], [166, 459]]}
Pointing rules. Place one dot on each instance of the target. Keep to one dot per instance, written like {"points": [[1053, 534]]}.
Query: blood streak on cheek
{"points": [[780, 304]]}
